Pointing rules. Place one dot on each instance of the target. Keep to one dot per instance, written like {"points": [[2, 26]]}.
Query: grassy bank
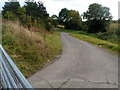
{"points": [[97, 42], [93, 38], [29, 50]]}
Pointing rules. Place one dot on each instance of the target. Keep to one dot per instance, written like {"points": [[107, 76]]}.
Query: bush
{"points": [[48, 26], [61, 26], [113, 28], [10, 15], [102, 35]]}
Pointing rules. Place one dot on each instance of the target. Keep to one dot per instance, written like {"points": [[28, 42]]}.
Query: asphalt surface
{"points": [[81, 65]]}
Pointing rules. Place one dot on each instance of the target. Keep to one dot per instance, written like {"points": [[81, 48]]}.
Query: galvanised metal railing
{"points": [[10, 76]]}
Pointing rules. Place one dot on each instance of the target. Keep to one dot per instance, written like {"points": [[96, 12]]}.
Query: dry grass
{"points": [[22, 35], [29, 50]]}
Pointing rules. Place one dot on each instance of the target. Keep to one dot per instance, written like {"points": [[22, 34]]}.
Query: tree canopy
{"points": [[36, 9], [29, 14], [71, 19], [10, 6], [63, 15], [98, 17]]}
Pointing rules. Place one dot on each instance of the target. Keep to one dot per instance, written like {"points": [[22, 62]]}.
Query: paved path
{"points": [[81, 65]]}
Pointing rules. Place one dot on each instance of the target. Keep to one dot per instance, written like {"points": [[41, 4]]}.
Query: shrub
{"points": [[102, 35], [10, 15], [61, 26]]}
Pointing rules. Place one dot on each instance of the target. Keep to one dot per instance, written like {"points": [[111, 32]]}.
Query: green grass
{"points": [[98, 42], [29, 50]]}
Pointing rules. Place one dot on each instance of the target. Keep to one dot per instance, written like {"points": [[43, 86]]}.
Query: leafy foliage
{"points": [[54, 20], [98, 18], [31, 13], [73, 20], [70, 19], [10, 6], [63, 15], [23, 18], [36, 10], [9, 15]]}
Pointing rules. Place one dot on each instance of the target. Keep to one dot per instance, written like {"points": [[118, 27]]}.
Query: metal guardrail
{"points": [[10, 76]]}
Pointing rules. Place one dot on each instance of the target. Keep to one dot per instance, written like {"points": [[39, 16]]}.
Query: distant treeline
{"points": [[97, 17]]}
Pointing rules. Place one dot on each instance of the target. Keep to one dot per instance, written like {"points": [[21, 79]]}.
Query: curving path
{"points": [[81, 65]]}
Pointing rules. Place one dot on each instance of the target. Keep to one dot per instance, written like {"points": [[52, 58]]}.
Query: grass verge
{"points": [[29, 50], [98, 42]]}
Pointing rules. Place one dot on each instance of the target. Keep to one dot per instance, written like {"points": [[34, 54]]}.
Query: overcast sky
{"points": [[54, 6]]}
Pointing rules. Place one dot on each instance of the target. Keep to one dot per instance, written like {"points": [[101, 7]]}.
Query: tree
{"points": [[36, 10], [21, 11], [48, 24], [9, 15], [54, 17], [98, 18], [63, 15], [54, 20], [23, 18], [42, 11], [31, 9], [73, 20], [70, 19], [21, 14], [32, 13], [10, 6]]}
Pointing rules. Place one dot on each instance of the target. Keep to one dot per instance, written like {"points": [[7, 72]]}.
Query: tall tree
{"points": [[10, 15], [54, 20], [37, 10], [38, 13], [21, 11], [10, 6], [73, 20], [63, 15], [98, 18], [70, 19], [54, 17], [31, 9]]}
